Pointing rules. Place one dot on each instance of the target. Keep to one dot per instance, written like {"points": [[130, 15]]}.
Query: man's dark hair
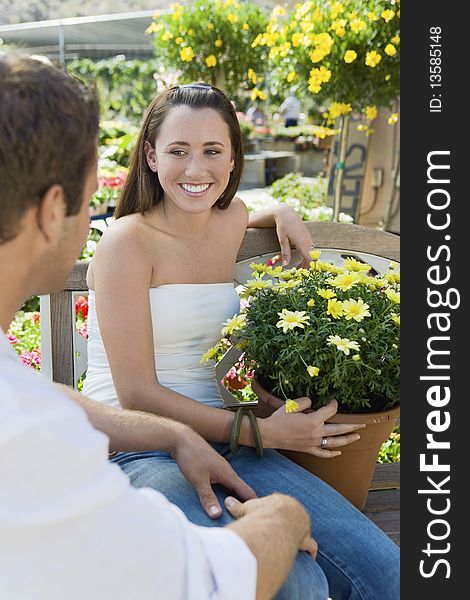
{"points": [[48, 130]]}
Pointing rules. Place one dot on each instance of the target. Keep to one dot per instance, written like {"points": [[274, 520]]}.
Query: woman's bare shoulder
{"points": [[237, 210]]}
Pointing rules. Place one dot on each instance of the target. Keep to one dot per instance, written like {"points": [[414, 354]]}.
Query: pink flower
{"points": [[243, 304], [36, 357], [83, 331], [36, 317], [26, 358], [12, 339], [232, 373]]}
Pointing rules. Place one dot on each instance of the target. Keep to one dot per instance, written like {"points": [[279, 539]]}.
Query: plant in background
{"points": [[126, 87], [81, 316], [306, 197], [109, 187], [347, 54], [211, 41], [24, 336], [117, 141], [92, 240], [325, 332]]}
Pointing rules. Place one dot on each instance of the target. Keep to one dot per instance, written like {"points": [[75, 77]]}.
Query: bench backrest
{"points": [[341, 239]]}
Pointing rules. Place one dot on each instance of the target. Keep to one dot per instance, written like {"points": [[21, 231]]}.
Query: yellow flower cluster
{"points": [[370, 112], [252, 76], [339, 27], [256, 93], [323, 43], [337, 109], [317, 77]]}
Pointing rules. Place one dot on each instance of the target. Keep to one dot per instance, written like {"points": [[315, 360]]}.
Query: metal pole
{"points": [[61, 45], [339, 167]]}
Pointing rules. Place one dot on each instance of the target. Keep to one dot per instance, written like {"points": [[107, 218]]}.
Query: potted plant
{"points": [[327, 332]]}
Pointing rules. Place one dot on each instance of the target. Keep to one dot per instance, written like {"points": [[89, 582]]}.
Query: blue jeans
{"points": [[355, 560]]}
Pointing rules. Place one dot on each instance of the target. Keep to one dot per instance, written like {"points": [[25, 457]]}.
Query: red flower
{"points": [[36, 317], [112, 181], [81, 306], [12, 339]]}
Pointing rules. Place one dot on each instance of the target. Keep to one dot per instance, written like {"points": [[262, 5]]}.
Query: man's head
{"points": [[48, 139]]}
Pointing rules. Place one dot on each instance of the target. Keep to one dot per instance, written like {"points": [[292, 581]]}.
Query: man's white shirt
{"points": [[72, 527]]}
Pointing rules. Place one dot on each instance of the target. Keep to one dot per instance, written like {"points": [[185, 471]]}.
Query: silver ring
{"points": [[324, 442]]}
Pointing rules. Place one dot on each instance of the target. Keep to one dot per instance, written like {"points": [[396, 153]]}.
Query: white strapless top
{"points": [[186, 322]]}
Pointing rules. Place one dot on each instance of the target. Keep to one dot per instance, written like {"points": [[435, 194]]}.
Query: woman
{"points": [[161, 285]]}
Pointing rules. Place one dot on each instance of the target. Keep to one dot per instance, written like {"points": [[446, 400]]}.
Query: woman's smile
{"points": [[195, 189]]}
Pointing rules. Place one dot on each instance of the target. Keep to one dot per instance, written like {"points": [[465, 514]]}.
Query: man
{"points": [[70, 524], [291, 110]]}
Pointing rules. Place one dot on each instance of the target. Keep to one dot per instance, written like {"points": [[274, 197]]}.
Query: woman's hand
{"points": [[292, 231], [305, 432]]}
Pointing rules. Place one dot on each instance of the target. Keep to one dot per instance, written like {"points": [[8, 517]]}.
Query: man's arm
{"points": [[274, 528], [135, 431]]}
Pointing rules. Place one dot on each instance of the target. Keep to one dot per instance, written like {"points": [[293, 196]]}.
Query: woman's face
{"points": [[193, 158]]}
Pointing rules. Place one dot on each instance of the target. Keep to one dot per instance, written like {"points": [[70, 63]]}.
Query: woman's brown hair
{"points": [[142, 189]]}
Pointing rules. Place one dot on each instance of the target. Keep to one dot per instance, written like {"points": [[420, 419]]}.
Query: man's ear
{"points": [[51, 213], [150, 156]]}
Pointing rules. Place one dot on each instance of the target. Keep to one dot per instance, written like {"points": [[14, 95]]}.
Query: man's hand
{"points": [[294, 512], [203, 466], [274, 528]]}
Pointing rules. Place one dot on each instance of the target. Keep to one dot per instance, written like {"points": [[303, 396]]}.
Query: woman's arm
{"points": [[290, 229], [122, 271]]}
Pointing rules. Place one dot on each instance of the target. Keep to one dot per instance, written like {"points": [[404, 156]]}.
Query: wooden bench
{"points": [[61, 343]]}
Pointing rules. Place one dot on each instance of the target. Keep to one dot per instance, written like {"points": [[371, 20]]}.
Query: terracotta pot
{"points": [[352, 472]]}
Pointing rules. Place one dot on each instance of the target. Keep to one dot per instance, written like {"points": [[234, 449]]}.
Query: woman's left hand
{"points": [[292, 231]]}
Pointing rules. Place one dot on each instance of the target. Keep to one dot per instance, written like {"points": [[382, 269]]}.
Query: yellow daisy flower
{"points": [[291, 406], [313, 371], [334, 308], [393, 296], [355, 309], [327, 294], [345, 281], [356, 265], [236, 323], [315, 254], [210, 354], [343, 344], [289, 319]]}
